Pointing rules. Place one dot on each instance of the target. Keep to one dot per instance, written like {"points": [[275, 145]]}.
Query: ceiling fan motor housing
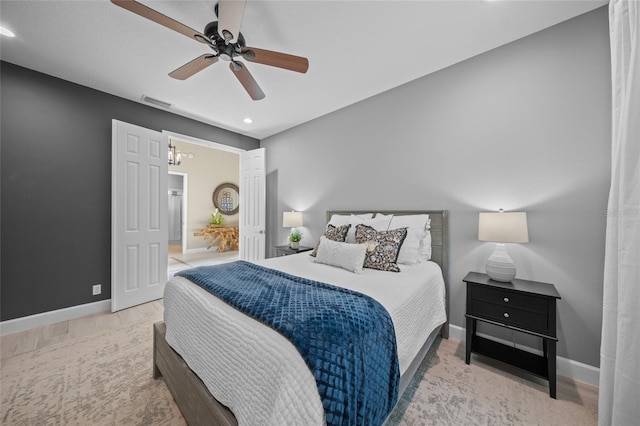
{"points": [[225, 51]]}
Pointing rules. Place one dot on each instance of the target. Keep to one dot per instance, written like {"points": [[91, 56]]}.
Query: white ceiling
{"points": [[356, 49]]}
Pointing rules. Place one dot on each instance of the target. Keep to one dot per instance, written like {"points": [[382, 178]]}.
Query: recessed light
{"points": [[6, 32], [248, 120]]}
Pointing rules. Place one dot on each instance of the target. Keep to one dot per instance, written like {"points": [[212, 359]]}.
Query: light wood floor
{"points": [[41, 337], [179, 261]]}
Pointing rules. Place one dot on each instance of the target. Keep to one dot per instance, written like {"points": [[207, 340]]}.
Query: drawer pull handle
{"points": [[506, 315], [506, 299]]}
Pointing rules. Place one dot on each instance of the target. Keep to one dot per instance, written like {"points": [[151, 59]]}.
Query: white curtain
{"points": [[619, 402]]}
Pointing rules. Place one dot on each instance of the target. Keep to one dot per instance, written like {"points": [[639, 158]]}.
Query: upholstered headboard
{"points": [[439, 242]]}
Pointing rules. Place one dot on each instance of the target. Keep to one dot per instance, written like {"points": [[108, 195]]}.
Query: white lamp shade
{"points": [[503, 227], [291, 219]]}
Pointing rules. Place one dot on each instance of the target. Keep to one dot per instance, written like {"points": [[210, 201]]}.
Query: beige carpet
{"points": [[446, 391], [105, 379]]}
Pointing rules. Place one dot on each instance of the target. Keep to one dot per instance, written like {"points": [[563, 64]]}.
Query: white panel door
{"points": [[252, 205], [139, 223]]}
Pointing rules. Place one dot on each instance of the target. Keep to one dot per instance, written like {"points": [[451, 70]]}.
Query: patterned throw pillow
{"points": [[333, 233], [384, 247]]}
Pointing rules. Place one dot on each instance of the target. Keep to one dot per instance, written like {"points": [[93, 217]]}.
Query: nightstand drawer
{"points": [[510, 315], [509, 298]]}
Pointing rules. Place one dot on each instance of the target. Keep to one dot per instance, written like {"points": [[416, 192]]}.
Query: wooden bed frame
{"points": [[199, 407]]}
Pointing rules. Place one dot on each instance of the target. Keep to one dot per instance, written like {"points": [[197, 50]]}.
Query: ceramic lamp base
{"points": [[500, 266]]}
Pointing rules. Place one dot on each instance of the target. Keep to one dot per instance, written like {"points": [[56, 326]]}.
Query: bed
{"points": [[236, 372]]}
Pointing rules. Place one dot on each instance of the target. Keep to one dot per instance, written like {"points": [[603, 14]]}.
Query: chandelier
{"points": [[175, 157]]}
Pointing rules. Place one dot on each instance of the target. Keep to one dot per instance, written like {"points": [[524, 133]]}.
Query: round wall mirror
{"points": [[226, 198]]}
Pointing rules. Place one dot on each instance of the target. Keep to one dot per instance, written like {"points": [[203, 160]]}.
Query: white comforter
{"points": [[259, 374]]}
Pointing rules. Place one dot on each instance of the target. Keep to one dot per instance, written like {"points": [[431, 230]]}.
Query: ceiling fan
{"points": [[226, 41]]}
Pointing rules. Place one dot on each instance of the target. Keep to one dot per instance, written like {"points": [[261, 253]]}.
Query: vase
{"points": [[295, 245]]}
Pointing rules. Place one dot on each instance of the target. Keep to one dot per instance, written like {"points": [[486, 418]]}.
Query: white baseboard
{"points": [[52, 317], [565, 366]]}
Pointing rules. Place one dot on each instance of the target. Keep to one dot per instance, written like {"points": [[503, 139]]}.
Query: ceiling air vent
{"points": [[156, 102]]}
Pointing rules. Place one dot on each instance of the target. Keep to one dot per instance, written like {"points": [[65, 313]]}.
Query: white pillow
{"points": [[384, 216], [343, 219], [424, 254], [414, 247], [379, 224], [343, 255]]}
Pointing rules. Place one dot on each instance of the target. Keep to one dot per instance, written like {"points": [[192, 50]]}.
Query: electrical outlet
{"points": [[97, 289]]}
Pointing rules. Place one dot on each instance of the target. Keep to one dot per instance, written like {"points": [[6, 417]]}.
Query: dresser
{"points": [[523, 306]]}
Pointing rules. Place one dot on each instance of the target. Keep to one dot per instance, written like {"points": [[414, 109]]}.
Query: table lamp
{"points": [[501, 228], [292, 220]]}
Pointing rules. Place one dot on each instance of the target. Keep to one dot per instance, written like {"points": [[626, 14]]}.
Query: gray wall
{"points": [[56, 186], [523, 127]]}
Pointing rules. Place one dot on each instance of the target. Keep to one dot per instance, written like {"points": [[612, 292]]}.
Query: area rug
{"points": [[106, 379], [446, 391], [103, 379]]}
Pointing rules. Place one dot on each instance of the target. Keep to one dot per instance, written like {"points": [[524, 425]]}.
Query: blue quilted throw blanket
{"points": [[346, 338]]}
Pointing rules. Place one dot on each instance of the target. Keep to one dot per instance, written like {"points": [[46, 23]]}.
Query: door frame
{"points": [[183, 225], [203, 142]]}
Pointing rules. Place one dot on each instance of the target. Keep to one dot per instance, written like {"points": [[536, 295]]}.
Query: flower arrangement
{"points": [[217, 218]]}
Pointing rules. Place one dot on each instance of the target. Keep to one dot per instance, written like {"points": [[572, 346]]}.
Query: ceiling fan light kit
{"points": [[226, 41]]}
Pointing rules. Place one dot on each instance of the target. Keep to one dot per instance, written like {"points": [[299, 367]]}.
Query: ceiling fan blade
{"points": [[192, 67], [276, 59], [246, 79], [157, 17], [230, 14]]}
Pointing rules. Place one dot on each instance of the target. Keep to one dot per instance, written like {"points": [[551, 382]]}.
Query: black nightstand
{"points": [[286, 250], [521, 305]]}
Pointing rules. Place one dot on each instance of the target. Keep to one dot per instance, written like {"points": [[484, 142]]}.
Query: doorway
{"points": [[193, 179], [177, 210], [139, 224]]}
